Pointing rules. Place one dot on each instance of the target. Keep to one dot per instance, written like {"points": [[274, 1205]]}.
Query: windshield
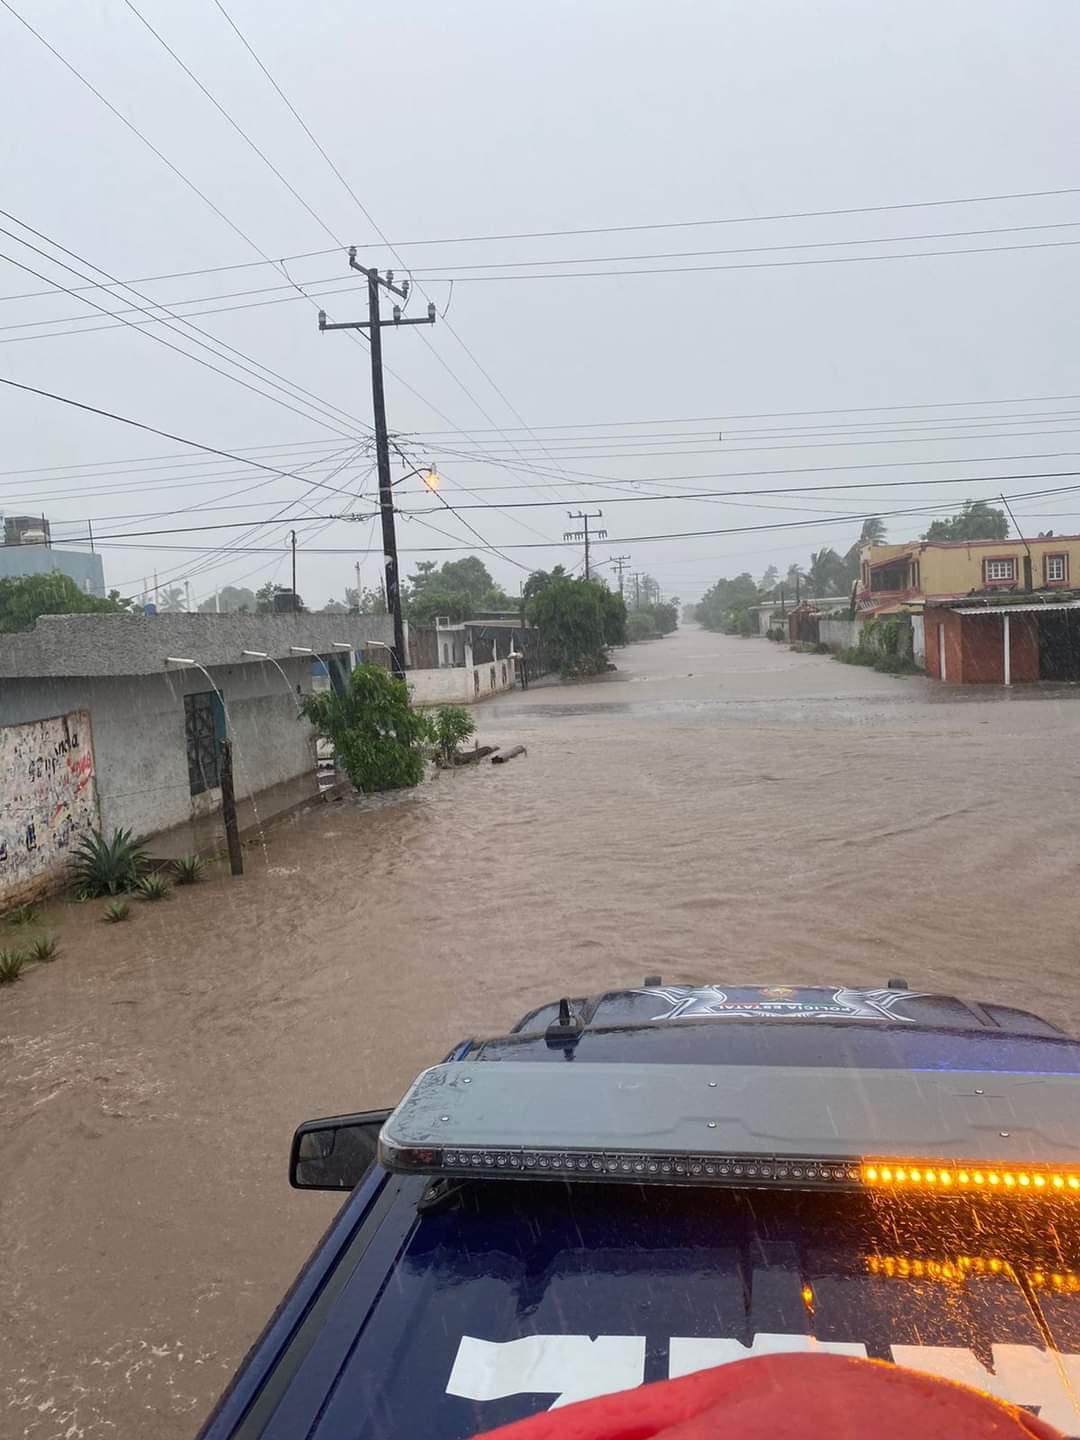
{"points": [[532, 533]]}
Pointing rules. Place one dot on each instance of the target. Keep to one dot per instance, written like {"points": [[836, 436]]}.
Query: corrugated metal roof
{"points": [[1011, 609]]}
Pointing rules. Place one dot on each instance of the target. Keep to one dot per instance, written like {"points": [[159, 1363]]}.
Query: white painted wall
{"points": [[841, 633], [138, 734], [462, 685], [918, 640], [47, 799]]}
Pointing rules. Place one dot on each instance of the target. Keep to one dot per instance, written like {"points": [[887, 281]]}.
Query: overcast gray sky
{"points": [[485, 119]]}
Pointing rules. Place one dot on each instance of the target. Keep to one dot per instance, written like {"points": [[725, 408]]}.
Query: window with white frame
{"points": [[1056, 568], [999, 569]]}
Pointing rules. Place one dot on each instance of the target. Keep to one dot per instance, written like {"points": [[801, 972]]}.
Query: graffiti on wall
{"points": [[47, 796]]}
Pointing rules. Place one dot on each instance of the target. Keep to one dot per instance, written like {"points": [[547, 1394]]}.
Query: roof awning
{"points": [[1012, 609]]}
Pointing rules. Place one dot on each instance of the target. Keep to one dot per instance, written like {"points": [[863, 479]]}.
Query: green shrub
{"points": [[856, 655], [379, 738], [115, 911], [154, 887], [22, 914], [43, 949], [108, 867], [188, 869], [12, 964], [640, 626], [896, 665], [451, 726]]}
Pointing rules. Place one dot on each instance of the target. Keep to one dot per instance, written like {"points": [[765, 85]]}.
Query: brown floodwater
{"points": [[716, 810]]}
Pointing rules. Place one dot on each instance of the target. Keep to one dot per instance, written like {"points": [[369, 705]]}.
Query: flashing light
{"points": [[921, 1177], [957, 1269]]}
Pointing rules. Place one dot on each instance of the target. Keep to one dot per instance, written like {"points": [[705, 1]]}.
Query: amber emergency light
{"points": [[930, 1132]]}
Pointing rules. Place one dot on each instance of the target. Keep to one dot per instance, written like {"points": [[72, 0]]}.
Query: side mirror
{"points": [[335, 1153]]}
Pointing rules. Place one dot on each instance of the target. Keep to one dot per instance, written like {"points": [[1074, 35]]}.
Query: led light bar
{"points": [[956, 1269], [915, 1175], [973, 1133]]}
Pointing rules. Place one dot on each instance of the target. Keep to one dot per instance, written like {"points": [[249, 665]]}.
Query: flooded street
{"points": [[716, 810]]}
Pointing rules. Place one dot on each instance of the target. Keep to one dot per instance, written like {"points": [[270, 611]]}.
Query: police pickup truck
{"points": [[637, 1185]]}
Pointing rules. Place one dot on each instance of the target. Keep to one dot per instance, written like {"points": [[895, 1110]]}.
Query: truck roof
{"points": [[506, 1296]]}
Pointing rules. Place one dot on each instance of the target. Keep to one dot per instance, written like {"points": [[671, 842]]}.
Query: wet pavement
{"points": [[716, 809]]}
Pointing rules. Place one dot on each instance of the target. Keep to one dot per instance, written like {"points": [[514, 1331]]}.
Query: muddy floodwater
{"points": [[717, 810]]}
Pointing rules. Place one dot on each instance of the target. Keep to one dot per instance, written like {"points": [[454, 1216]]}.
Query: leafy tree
{"points": [[334, 607], [24, 598], [366, 601], [640, 625], [266, 594], [827, 574], [726, 606], [770, 580], [795, 578], [458, 589], [379, 738], [452, 725], [873, 531], [978, 520], [171, 599], [578, 620], [539, 579], [230, 599]]}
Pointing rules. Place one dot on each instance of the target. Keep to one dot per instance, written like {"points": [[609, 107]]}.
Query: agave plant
{"points": [[188, 869], [22, 914], [154, 887], [108, 867], [43, 949], [12, 963], [115, 911]]}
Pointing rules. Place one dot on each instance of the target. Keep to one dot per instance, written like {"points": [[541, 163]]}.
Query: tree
{"points": [[266, 602], [377, 735], [24, 598], [458, 589], [827, 574], [795, 577], [171, 599], [726, 606], [770, 580], [539, 579], [334, 607], [366, 601], [578, 619], [978, 520], [230, 599], [873, 531]]}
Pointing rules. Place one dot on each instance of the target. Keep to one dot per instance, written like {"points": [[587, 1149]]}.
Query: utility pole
{"points": [[375, 325], [619, 561], [292, 541], [585, 516], [637, 590]]}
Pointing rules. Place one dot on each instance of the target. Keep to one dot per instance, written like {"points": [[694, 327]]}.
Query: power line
{"points": [[153, 429], [755, 249], [829, 519], [755, 264], [160, 339], [525, 235], [235, 125]]}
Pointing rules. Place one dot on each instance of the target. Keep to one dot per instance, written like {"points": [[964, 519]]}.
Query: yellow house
{"points": [[892, 576]]}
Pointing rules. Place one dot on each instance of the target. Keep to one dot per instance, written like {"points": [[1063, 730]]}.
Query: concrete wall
{"points": [[841, 634], [138, 644], [140, 750], [461, 686], [918, 640], [47, 800], [82, 567]]}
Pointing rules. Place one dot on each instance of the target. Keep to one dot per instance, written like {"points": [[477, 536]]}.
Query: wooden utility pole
{"points": [[585, 516], [375, 325], [619, 561], [228, 810]]}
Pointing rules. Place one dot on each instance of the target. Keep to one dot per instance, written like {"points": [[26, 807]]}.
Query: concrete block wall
{"points": [[137, 731]]}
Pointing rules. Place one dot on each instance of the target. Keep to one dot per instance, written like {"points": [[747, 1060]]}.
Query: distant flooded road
{"points": [[717, 810]]}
